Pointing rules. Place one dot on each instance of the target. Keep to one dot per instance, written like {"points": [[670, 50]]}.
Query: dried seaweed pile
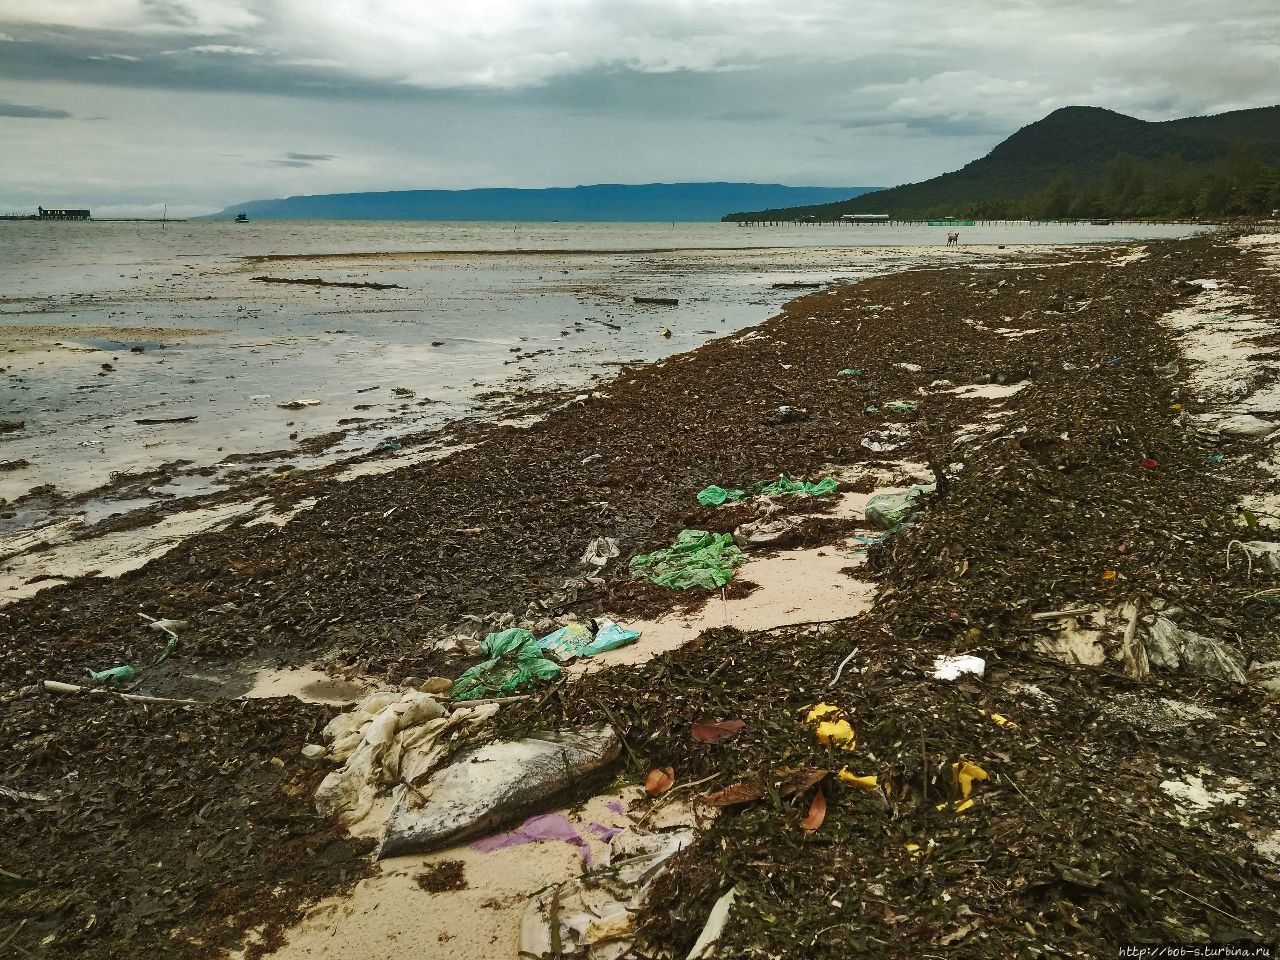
{"points": [[160, 827]]}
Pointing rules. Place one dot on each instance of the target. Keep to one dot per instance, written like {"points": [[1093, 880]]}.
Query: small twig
{"points": [[22, 795], [1059, 614], [720, 666], [839, 670], [1247, 555], [667, 796], [455, 704], [1229, 916], [56, 686], [924, 766], [1026, 798]]}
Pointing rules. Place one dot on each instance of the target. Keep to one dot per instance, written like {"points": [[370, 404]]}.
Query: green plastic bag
{"points": [[785, 484], [890, 510], [714, 496], [696, 559], [849, 372], [514, 661], [577, 640], [113, 676], [902, 406]]}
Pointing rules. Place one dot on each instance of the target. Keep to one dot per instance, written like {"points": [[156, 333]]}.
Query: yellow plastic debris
{"points": [[1175, 406], [964, 772], [835, 733], [1001, 721], [821, 710], [911, 847], [963, 805], [869, 782], [1108, 574]]}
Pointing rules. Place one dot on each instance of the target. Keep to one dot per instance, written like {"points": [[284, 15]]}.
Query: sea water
{"points": [[482, 312]]}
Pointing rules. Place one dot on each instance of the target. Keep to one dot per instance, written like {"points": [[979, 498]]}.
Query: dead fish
{"points": [[494, 785]]}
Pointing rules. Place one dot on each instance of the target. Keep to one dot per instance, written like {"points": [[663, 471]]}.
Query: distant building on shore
{"points": [[63, 214], [866, 217]]}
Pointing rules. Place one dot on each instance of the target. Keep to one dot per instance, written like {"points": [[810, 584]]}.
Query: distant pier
{"points": [[81, 215]]}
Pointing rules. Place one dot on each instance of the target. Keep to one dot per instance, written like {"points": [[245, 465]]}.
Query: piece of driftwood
{"points": [[57, 686], [1059, 614], [659, 301], [317, 282], [150, 420]]}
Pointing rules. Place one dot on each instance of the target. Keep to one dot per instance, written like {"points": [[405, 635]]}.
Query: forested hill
{"points": [[651, 202], [1091, 162]]}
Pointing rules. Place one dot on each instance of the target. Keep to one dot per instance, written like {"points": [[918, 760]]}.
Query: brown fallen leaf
{"points": [[789, 781], [798, 779], [713, 731], [817, 812], [734, 794], [958, 934], [659, 782]]}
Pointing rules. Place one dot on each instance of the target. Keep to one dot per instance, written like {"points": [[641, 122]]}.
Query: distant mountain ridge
{"points": [[1080, 143], [688, 202]]}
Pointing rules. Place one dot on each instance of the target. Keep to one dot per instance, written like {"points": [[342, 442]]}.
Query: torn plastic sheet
{"points": [[488, 787]]}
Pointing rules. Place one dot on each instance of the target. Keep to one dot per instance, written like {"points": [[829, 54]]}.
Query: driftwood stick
{"points": [[476, 703], [1059, 614], [57, 686]]}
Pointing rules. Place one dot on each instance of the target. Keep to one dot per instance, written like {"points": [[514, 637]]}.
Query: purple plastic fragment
{"points": [[545, 826], [604, 833]]}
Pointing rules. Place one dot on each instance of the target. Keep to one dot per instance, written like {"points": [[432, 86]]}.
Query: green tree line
{"points": [[1238, 185]]}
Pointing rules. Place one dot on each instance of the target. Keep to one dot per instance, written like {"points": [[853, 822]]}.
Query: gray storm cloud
{"points": [[535, 92]]}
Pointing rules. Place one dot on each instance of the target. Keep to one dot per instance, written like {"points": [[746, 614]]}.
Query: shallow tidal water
{"points": [[104, 324]]}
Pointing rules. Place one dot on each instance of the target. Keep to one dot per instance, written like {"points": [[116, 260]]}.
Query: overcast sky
{"points": [[125, 104]]}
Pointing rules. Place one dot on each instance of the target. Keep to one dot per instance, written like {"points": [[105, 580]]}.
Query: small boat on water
{"points": [[242, 218]]}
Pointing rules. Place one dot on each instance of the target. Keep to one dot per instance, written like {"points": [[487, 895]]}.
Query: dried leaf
{"points": [[735, 794], [659, 782], [817, 812], [792, 781], [958, 934], [713, 731]]}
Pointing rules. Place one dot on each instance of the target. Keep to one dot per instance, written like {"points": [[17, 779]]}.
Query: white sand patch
{"points": [[1133, 256], [795, 586], [111, 554], [1268, 244], [1269, 846], [1191, 796], [308, 685], [279, 518], [390, 917], [13, 544], [986, 391], [376, 468], [1218, 343]]}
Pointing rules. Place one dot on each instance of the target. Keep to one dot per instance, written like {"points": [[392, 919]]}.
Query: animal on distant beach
{"points": [[953, 239]]}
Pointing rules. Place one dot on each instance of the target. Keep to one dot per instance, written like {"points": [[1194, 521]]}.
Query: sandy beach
{"points": [[1096, 422]]}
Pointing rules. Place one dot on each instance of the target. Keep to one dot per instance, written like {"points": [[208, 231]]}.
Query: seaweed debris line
{"points": [[950, 629]]}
